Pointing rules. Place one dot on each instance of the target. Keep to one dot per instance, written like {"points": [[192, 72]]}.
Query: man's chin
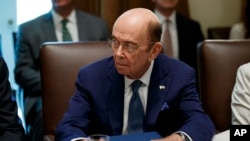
{"points": [[121, 71]]}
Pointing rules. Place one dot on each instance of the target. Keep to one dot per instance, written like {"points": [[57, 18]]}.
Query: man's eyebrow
{"points": [[125, 42]]}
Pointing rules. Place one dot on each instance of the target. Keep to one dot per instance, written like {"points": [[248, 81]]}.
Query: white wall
{"points": [[8, 14], [30, 9], [213, 13]]}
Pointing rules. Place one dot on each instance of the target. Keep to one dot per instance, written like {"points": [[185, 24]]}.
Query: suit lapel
{"points": [[81, 25], [116, 99], [48, 26], [157, 91]]}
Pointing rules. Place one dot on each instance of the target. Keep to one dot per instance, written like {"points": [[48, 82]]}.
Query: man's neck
{"points": [[166, 12], [64, 12]]}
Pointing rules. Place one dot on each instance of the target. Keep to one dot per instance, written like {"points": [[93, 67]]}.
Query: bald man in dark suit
{"points": [[185, 32], [165, 99]]}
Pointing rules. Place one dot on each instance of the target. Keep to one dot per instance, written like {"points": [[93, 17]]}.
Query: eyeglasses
{"points": [[127, 46]]}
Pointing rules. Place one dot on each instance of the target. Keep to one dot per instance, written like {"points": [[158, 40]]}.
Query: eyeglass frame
{"points": [[128, 47]]}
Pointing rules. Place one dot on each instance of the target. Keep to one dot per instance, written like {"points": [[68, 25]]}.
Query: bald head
{"points": [[135, 37], [139, 20], [138, 14]]}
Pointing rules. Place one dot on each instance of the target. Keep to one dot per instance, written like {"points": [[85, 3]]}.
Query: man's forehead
{"points": [[131, 33], [138, 13]]}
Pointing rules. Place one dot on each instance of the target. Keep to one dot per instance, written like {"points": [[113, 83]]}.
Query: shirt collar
{"points": [[58, 18], [162, 18], [144, 79]]}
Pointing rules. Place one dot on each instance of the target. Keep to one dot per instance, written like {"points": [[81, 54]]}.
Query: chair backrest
{"points": [[218, 61], [60, 63], [218, 32]]}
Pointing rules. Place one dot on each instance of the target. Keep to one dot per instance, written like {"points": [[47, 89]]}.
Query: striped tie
{"points": [[65, 32], [167, 43]]}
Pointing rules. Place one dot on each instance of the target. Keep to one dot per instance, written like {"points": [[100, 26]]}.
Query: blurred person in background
{"points": [[62, 23], [185, 33], [241, 30]]}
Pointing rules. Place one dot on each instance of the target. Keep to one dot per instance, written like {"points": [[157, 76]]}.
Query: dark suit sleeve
{"points": [[27, 71], [197, 124], [10, 129]]}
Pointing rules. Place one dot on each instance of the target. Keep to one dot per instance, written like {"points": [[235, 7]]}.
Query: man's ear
{"points": [[156, 50]]}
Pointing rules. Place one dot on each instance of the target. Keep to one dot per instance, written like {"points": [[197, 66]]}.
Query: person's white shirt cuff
{"points": [[80, 138], [185, 134]]}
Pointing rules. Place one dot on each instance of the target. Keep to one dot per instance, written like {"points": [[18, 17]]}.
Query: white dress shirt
{"points": [[143, 92], [172, 29], [238, 31], [71, 25]]}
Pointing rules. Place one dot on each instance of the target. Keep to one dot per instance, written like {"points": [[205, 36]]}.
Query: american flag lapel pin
{"points": [[162, 87]]}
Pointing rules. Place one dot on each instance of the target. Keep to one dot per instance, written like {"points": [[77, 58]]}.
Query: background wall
{"points": [[214, 13], [210, 13], [7, 26]]}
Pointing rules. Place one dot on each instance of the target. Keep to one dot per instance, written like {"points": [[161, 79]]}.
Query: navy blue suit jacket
{"points": [[97, 106]]}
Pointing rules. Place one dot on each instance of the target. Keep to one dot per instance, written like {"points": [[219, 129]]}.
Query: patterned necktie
{"points": [[136, 111], [167, 43], [65, 32]]}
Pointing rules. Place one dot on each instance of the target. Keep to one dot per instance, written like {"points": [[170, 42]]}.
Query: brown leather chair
{"points": [[60, 63], [218, 61], [218, 32]]}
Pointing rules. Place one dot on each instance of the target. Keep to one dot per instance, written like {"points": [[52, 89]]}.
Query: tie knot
{"points": [[65, 31], [135, 85], [64, 22], [168, 22]]}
